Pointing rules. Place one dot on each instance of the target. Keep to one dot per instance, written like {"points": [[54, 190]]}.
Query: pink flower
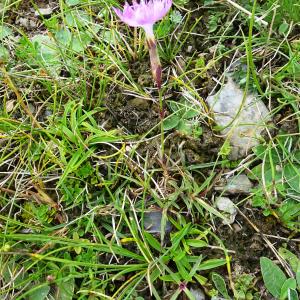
{"points": [[144, 14]]}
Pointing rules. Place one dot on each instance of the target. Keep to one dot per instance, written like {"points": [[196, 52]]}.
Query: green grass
{"points": [[81, 169]]}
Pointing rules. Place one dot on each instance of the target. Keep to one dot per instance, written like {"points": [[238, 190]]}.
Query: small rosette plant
{"points": [[144, 14]]}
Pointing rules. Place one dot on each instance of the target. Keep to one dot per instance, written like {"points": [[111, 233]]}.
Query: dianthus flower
{"points": [[144, 14]]}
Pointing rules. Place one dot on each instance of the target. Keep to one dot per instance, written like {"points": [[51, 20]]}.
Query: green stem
{"points": [[162, 132]]}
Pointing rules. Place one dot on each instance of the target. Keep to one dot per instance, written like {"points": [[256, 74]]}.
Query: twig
{"points": [[281, 238], [247, 12]]}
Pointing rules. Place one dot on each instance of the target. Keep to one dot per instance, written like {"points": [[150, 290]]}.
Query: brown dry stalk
{"points": [[12, 86]]}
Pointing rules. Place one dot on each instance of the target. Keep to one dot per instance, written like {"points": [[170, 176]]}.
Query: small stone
{"points": [[10, 105], [237, 228], [152, 222], [189, 49], [48, 113], [26, 23], [43, 12], [242, 117], [239, 184], [225, 205], [198, 294]]}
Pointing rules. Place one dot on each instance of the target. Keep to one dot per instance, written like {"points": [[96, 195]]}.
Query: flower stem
{"points": [[154, 57], [162, 132], [157, 74], [155, 62]]}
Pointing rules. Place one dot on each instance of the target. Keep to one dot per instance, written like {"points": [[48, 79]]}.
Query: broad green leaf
{"points": [[191, 113], [110, 37], [267, 175], [283, 28], [64, 37], [175, 106], [292, 176], [289, 284], [171, 122], [47, 52], [65, 290], [40, 293], [5, 31], [273, 276], [77, 18], [292, 294], [268, 154], [289, 212], [291, 258], [220, 284], [185, 127], [80, 42], [197, 131], [4, 54], [46, 45]]}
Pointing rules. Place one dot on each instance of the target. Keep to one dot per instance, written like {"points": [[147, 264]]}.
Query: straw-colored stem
{"points": [[155, 62], [154, 57], [257, 19]]}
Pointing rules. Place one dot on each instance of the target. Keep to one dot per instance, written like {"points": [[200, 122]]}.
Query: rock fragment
{"points": [[45, 12], [225, 205], [198, 294], [26, 23], [242, 116], [239, 184]]}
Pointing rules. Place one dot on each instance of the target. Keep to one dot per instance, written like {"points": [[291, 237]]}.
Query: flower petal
{"points": [[144, 13]]}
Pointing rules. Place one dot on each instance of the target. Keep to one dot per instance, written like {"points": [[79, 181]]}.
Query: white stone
{"points": [[198, 294], [26, 23], [243, 117], [239, 184], [43, 12], [225, 205]]}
